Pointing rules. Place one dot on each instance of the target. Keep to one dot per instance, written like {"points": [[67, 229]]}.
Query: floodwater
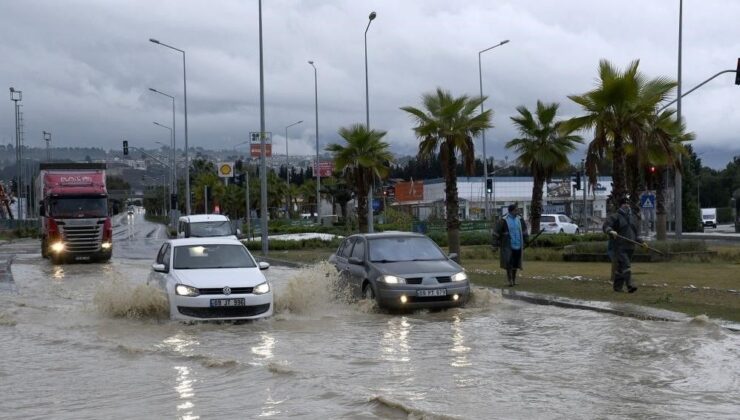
{"points": [[93, 341]]}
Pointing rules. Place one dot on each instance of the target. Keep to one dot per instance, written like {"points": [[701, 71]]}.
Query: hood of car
{"points": [[411, 268], [220, 277]]}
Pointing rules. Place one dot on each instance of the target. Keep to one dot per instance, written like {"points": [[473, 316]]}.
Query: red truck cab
{"points": [[76, 224]]}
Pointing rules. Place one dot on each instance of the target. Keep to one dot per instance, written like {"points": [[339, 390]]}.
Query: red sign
{"points": [[325, 169], [255, 150]]}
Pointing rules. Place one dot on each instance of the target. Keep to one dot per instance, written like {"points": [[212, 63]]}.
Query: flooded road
{"points": [[93, 341]]}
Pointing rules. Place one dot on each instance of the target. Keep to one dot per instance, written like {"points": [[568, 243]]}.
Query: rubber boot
{"points": [[509, 277], [513, 277]]}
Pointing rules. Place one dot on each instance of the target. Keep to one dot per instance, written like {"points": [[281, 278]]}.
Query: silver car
{"points": [[401, 271]]}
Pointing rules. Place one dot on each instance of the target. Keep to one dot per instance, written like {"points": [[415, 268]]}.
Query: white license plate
{"points": [[83, 258], [431, 292], [217, 303]]}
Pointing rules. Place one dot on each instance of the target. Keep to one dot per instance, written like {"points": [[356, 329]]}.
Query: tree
{"points": [[619, 111], [543, 147], [364, 158], [446, 126]]}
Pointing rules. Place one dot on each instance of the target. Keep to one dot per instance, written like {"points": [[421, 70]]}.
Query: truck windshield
{"points": [[78, 207]]}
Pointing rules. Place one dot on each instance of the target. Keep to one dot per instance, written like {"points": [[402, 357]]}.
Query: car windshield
{"points": [[208, 229], [78, 207], [404, 249], [212, 256]]}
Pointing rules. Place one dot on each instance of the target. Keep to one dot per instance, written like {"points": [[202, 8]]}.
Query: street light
{"points": [[173, 142], [17, 96], [370, 219], [47, 139], [263, 160], [185, 100], [678, 199], [287, 165], [318, 179], [483, 132]]}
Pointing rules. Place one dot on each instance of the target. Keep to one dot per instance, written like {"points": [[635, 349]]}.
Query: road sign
{"points": [[255, 150], [225, 169], [647, 201]]}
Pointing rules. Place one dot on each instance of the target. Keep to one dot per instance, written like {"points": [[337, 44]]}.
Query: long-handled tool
{"points": [[531, 241], [642, 244]]}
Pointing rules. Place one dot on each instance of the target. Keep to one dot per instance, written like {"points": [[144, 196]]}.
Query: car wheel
{"points": [[368, 292]]}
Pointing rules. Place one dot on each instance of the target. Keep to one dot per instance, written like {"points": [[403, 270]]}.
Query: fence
{"points": [[7, 224]]}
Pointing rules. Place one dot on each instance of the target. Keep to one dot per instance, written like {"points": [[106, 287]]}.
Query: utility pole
{"points": [[17, 96]]}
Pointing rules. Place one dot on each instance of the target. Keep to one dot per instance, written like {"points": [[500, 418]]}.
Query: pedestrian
{"points": [[623, 229], [510, 235]]}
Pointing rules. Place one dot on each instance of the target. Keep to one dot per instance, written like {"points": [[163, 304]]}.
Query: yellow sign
{"points": [[225, 169]]}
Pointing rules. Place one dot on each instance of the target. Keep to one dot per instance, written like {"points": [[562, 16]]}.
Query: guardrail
{"points": [[7, 224]]}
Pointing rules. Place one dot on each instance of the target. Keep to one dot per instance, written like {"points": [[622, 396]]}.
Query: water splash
{"points": [[120, 299], [280, 368], [310, 291], [483, 298]]}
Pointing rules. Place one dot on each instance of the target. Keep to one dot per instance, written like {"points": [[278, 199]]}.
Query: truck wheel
{"points": [[44, 248], [57, 259]]}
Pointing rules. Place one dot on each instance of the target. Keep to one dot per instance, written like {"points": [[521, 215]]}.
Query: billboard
{"points": [[255, 150], [325, 168], [558, 188]]}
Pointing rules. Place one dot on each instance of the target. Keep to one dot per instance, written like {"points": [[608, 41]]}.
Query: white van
{"points": [[709, 217], [205, 226]]}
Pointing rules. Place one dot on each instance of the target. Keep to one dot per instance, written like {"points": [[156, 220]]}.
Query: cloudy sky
{"points": [[85, 66]]}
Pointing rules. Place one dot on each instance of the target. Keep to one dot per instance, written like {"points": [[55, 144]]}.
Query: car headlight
{"points": [[392, 280], [106, 245], [261, 288], [461, 276], [57, 246], [183, 290]]}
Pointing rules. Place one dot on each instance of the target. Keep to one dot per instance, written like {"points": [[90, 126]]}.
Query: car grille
{"points": [[81, 239], [220, 291], [417, 299], [418, 280], [224, 312]]}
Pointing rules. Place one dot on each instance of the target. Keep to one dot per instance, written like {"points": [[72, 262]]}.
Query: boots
{"points": [[510, 277], [513, 277]]}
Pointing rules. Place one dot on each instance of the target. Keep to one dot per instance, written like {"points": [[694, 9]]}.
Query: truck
{"points": [[73, 208], [709, 218]]}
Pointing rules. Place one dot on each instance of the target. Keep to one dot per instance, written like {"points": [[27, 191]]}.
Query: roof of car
{"points": [[217, 240], [388, 234], [196, 218]]}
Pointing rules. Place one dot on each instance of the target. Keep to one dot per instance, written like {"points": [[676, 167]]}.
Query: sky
{"points": [[85, 66]]}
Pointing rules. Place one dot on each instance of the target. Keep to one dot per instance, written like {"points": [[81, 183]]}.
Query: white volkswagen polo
{"points": [[212, 279]]}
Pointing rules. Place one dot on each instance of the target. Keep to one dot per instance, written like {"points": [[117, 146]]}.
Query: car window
{"points": [[358, 251], [212, 256], [347, 250], [160, 254], [166, 256], [207, 229], [404, 249], [547, 219]]}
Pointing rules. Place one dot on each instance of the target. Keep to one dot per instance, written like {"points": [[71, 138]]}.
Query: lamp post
{"points": [[316, 107], [370, 219], [263, 161], [173, 145], [678, 199], [287, 167], [47, 139], [185, 100], [483, 132], [17, 96]]}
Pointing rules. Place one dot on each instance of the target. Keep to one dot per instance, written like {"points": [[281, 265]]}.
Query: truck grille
{"points": [[82, 239]]}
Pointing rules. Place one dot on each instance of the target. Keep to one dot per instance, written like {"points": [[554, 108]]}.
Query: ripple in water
{"points": [[120, 299]]}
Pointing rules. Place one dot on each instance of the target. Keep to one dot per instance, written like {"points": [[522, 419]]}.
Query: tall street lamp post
{"points": [[483, 133], [370, 219], [316, 107], [185, 100], [173, 145], [47, 139], [287, 167], [263, 160], [678, 199], [17, 96]]}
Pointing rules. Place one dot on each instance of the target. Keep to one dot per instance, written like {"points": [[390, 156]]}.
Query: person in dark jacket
{"points": [[510, 235], [622, 227]]}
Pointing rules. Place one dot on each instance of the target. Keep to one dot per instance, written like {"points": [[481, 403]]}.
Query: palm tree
{"points": [[446, 126], [364, 158], [543, 147], [619, 110]]}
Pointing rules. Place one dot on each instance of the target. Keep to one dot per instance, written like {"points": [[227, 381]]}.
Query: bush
{"points": [[724, 214], [279, 245], [663, 246]]}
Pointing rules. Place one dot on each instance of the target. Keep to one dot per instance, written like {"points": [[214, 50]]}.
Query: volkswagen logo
{"points": [[227, 290]]}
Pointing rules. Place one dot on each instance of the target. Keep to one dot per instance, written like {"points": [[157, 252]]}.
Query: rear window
{"points": [[208, 229], [547, 219]]}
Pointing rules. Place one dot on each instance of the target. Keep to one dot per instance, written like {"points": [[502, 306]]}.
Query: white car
{"points": [[204, 226], [212, 279], [558, 223]]}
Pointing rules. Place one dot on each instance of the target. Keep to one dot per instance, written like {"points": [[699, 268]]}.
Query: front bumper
{"points": [[390, 296], [199, 308]]}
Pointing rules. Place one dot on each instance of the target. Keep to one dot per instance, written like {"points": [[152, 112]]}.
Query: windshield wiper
{"points": [[385, 261]]}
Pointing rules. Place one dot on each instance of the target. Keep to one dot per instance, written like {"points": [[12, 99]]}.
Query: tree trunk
{"points": [[453, 220], [362, 187], [660, 213], [619, 185], [633, 183], [535, 209]]}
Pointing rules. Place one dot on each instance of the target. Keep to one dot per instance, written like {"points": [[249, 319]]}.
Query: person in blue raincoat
{"points": [[623, 230], [510, 235]]}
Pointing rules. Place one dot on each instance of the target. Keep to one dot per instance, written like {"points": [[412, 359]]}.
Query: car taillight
{"points": [[107, 230], [53, 229]]}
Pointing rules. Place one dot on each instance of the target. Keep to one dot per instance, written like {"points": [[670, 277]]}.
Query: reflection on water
{"points": [[458, 349], [184, 389], [265, 348], [57, 272], [395, 344]]}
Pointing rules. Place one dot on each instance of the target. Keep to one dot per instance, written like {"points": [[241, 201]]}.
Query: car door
{"points": [[566, 224], [357, 273], [340, 261]]}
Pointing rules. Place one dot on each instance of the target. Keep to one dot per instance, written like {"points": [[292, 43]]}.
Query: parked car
{"points": [[205, 226], [558, 223], [400, 270], [212, 279]]}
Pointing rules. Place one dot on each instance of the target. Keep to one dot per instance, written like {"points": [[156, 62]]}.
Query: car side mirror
{"points": [[355, 260], [453, 256], [263, 265], [159, 268]]}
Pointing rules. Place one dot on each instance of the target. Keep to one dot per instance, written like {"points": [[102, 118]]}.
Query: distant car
{"points": [[212, 279], [205, 226], [130, 210], [558, 223], [400, 270], [709, 217]]}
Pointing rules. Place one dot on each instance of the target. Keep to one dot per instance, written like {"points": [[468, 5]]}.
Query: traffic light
{"points": [[737, 73], [489, 185], [577, 180], [239, 179], [125, 147]]}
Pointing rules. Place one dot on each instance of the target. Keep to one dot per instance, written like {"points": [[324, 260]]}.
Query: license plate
{"points": [[83, 258], [431, 292], [217, 303]]}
